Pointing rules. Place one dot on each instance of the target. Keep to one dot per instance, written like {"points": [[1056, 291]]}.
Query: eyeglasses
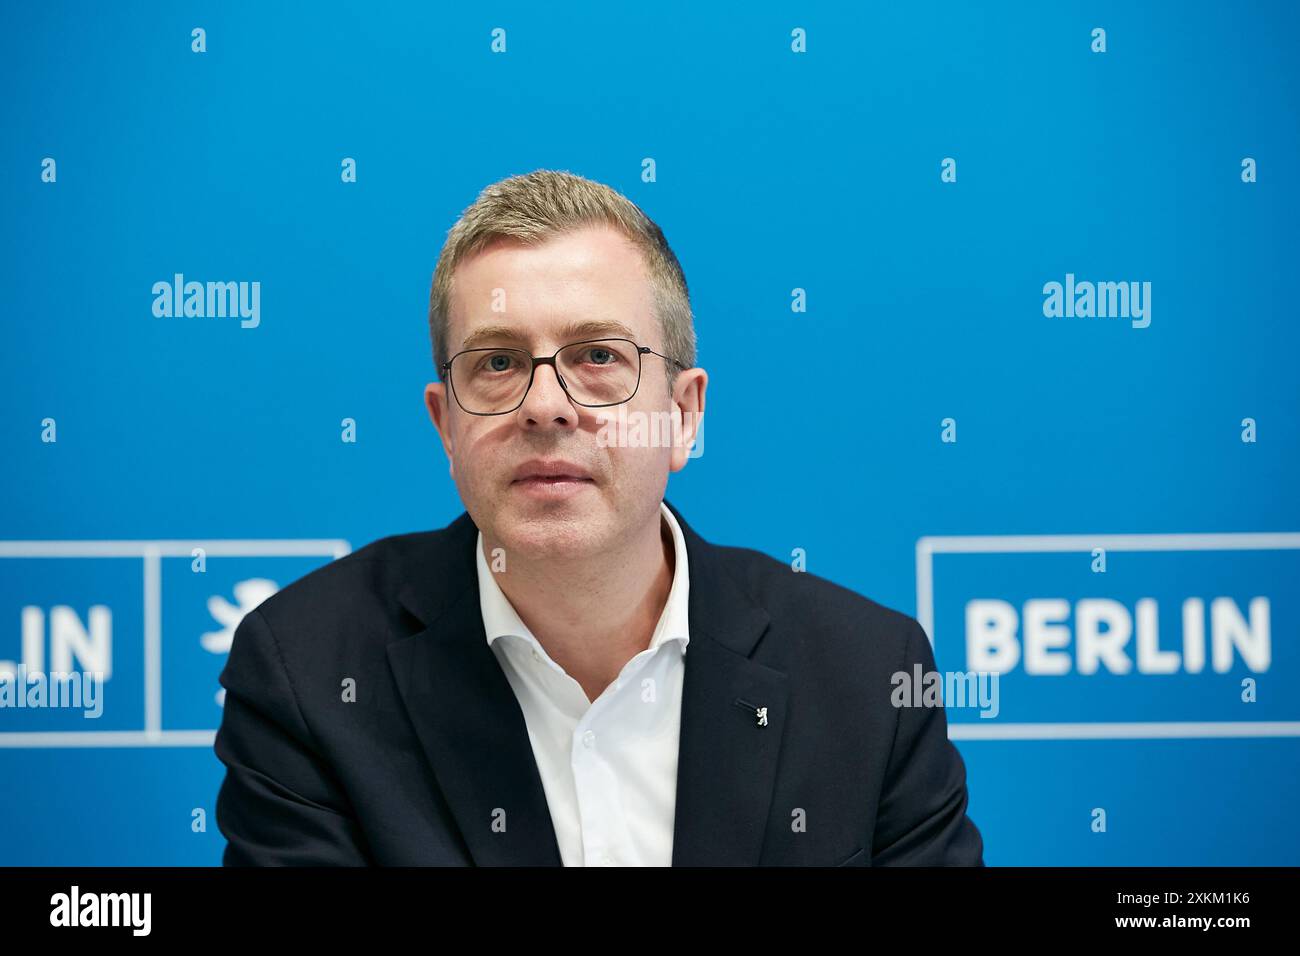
{"points": [[595, 373]]}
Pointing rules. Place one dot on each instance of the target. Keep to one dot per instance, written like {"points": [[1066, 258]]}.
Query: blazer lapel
{"points": [[466, 715], [474, 735], [727, 759]]}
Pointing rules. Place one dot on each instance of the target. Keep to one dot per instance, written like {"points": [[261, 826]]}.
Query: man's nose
{"points": [[547, 400]]}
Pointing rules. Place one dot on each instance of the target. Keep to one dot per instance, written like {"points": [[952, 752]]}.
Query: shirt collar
{"points": [[500, 618]]}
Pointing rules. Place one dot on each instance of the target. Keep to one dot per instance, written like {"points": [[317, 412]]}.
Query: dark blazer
{"points": [[434, 747]]}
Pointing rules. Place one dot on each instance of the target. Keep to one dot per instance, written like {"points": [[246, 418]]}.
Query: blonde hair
{"points": [[539, 205]]}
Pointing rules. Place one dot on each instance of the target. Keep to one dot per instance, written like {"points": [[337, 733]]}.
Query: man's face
{"points": [[586, 284]]}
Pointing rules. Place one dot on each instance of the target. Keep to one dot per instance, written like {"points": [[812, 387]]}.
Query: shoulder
{"points": [[362, 584], [782, 591], [340, 618], [818, 612]]}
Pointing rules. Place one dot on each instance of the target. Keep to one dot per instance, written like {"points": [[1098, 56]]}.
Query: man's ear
{"points": [[688, 397], [435, 401]]}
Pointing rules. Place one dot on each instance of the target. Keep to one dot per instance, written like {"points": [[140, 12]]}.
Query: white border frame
{"points": [[152, 553], [927, 547]]}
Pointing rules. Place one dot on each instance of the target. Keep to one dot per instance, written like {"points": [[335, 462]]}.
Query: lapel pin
{"points": [[760, 713]]}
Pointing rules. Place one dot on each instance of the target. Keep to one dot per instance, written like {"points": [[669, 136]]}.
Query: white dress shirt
{"points": [[608, 766]]}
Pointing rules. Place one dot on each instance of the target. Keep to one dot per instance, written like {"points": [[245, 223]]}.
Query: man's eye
{"points": [[601, 356], [498, 362]]}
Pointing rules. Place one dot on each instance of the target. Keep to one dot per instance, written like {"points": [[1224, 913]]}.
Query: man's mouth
{"points": [[552, 488], [552, 470], [553, 480]]}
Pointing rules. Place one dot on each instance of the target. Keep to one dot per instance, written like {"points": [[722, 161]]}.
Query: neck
{"points": [[593, 614]]}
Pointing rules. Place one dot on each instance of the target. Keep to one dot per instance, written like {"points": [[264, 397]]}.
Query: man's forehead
{"points": [[588, 283], [596, 254]]}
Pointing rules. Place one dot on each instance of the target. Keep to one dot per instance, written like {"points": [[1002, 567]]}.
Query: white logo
{"points": [[249, 594], [103, 909]]}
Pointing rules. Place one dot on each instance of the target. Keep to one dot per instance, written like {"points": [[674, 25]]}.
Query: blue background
{"points": [[775, 171]]}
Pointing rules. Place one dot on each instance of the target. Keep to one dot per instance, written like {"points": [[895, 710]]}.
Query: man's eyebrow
{"points": [[489, 333], [573, 332]]}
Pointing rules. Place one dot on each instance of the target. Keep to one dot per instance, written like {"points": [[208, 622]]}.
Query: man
{"points": [[568, 674]]}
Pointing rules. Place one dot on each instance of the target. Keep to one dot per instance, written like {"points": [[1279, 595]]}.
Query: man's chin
{"points": [[549, 532]]}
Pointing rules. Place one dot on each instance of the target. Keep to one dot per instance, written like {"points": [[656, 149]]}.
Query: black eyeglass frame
{"points": [[536, 360]]}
